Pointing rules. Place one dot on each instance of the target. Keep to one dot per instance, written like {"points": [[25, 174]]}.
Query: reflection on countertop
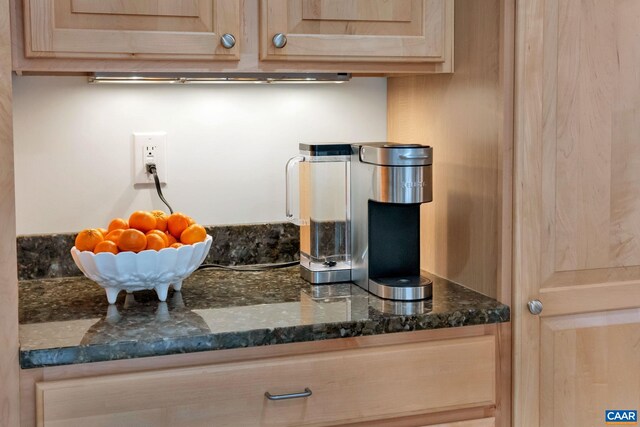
{"points": [[68, 321]]}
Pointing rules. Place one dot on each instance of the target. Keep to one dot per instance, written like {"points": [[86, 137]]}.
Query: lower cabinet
{"points": [[328, 388]]}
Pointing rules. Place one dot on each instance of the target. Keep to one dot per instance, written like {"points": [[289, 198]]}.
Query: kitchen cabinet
{"points": [[577, 210], [418, 378], [9, 347], [358, 36], [408, 378], [161, 29], [467, 117], [360, 362], [575, 238], [356, 30]]}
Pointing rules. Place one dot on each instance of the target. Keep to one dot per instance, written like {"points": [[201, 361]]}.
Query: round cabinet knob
{"points": [[279, 40], [228, 41], [535, 306]]}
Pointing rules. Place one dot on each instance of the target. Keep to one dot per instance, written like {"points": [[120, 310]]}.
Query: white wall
{"points": [[227, 146]]}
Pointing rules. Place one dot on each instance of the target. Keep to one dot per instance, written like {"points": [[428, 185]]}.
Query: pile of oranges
{"points": [[144, 230]]}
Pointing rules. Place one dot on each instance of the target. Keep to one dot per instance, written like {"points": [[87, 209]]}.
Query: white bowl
{"points": [[149, 269]]}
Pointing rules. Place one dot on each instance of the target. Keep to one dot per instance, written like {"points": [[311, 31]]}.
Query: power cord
{"points": [[252, 267], [151, 168]]}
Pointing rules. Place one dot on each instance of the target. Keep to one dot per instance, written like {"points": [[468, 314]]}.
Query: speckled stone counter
{"points": [[68, 321], [47, 255]]}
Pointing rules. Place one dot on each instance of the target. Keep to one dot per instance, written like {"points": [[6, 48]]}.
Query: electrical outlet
{"points": [[149, 147]]}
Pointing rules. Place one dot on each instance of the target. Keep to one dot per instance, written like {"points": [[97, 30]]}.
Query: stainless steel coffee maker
{"points": [[360, 215], [389, 182]]}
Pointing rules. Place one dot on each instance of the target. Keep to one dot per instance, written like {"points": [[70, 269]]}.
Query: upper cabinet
{"points": [[353, 30], [357, 36], [167, 29]]}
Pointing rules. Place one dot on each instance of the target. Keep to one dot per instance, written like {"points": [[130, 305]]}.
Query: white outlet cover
{"points": [[147, 144]]}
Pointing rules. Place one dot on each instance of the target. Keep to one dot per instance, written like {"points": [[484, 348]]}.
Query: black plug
{"points": [[151, 169]]}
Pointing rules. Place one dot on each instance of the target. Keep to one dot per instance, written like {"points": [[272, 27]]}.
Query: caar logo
{"points": [[620, 417]]}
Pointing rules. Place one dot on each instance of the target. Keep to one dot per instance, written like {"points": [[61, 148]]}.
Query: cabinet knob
{"points": [[228, 41], [535, 306], [279, 40]]}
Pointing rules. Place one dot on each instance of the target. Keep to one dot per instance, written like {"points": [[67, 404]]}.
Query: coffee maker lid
{"points": [[394, 154], [325, 149]]}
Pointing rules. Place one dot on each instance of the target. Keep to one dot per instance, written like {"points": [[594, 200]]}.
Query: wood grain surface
{"points": [[29, 377], [589, 363], [248, 40], [484, 422], [62, 29], [409, 379], [577, 209], [9, 366], [466, 117], [414, 31]]}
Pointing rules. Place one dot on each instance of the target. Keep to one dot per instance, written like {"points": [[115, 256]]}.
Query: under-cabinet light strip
{"points": [[239, 78]]}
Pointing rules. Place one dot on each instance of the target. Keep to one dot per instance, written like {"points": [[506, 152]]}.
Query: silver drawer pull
{"points": [[305, 393], [414, 157]]}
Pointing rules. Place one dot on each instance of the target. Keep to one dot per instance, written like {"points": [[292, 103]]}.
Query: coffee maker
{"points": [[360, 215], [389, 182]]}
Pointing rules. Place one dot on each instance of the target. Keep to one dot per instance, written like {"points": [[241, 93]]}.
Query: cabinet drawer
{"points": [[349, 385]]}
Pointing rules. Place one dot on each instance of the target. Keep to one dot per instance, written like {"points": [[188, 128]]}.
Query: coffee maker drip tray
{"points": [[401, 288]]}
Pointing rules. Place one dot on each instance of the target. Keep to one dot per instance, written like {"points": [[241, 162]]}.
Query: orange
{"points": [[191, 220], [155, 242], [114, 235], [177, 223], [118, 223], [172, 239], [106, 246], [103, 231], [161, 220], [132, 240], [142, 220], [193, 234], [165, 239], [176, 245], [87, 239]]}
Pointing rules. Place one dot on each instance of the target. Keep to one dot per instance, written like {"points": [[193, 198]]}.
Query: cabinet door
{"points": [[577, 212], [356, 30], [143, 29]]}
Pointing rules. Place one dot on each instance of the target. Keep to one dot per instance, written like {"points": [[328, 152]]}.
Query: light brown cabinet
{"points": [[576, 191], [466, 232], [350, 385], [412, 379], [354, 30], [577, 212], [357, 36], [167, 29]]}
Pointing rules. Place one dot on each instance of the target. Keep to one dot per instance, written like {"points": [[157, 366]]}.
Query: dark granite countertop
{"points": [[68, 320]]}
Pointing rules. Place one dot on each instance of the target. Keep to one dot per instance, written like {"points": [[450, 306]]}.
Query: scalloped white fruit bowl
{"points": [[150, 269]]}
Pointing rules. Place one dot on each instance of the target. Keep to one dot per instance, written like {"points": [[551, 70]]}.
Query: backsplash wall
{"points": [[226, 146]]}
